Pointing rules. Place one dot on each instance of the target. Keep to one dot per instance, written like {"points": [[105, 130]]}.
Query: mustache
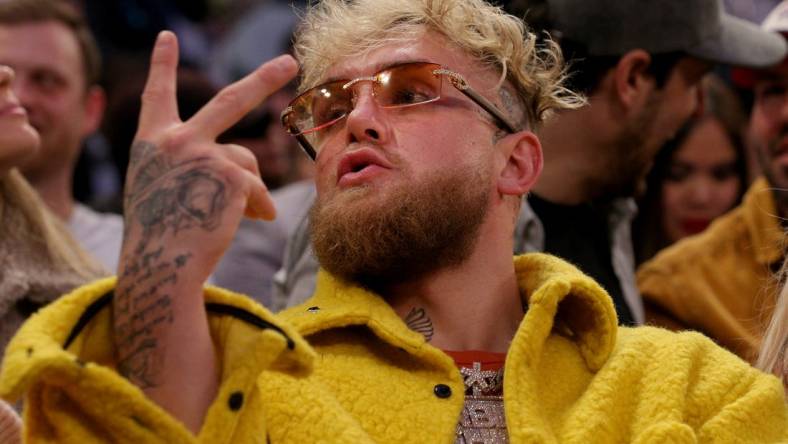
{"points": [[393, 157]]}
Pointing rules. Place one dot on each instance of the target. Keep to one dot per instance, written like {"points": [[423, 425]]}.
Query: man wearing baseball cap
{"points": [[719, 282], [639, 63]]}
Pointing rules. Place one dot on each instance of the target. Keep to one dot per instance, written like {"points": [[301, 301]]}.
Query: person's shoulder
{"points": [[689, 368], [721, 239], [682, 351], [83, 215], [649, 337]]}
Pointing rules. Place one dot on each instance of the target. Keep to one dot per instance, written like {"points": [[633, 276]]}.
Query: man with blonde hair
{"points": [[640, 64], [419, 115]]}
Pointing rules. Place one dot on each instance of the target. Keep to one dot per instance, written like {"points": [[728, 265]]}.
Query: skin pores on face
{"points": [[701, 182], [450, 133]]}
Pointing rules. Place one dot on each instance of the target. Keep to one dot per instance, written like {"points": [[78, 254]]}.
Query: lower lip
{"points": [[13, 111], [694, 226], [360, 177]]}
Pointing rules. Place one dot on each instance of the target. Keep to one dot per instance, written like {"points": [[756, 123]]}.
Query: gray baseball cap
{"points": [[700, 28]]}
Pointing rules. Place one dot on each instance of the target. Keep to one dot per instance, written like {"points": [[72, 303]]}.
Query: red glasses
{"points": [[404, 85]]}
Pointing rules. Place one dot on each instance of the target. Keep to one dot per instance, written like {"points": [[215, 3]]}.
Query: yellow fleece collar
{"points": [[560, 300], [564, 301], [337, 303], [44, 339]]}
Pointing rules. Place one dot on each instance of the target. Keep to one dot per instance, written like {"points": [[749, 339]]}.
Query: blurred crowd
{"points": [[221, 41], [685, 231]]}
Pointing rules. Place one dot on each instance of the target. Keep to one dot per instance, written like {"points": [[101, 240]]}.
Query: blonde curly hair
{"points": [[773, 355], [334, 29]]}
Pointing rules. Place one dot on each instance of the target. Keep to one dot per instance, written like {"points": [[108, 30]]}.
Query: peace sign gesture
{"points": [[184, 198]]}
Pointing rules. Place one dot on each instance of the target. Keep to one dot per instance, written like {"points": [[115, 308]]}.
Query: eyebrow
{"points": [[378, 67]]}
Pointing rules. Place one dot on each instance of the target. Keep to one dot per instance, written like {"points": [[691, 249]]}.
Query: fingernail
{"points": [[285, 61], [164, 38]]}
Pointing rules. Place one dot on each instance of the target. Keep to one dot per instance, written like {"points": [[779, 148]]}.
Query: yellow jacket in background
{"points": [[720, 282], [571, 375]]}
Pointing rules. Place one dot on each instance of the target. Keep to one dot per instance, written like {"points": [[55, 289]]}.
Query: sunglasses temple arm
{"points": [[490, 108], [307, 147]]}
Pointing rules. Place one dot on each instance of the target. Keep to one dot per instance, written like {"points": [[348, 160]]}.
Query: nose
{"points": [[6, 77], [701, 191], [366, 122]]}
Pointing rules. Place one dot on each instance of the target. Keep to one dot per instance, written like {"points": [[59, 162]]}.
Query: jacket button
{"points": [[442, 391], [236, 401]]}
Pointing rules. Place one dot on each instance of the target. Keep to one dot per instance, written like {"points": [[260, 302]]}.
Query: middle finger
{"points": [[234, 101]]}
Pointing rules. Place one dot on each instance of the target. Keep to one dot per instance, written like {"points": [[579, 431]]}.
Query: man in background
{"points": [[57, 67], [720, 282], [640, 65]]}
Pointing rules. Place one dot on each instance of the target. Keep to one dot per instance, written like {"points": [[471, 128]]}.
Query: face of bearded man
{"points": [[631, 156], [664, 112], [415, 228], [768, 130]]}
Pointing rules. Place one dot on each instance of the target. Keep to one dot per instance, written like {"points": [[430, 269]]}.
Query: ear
{"points": [[95, 104], [631, 81], [523, 163]]}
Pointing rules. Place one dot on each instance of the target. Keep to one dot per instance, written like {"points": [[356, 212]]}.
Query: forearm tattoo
{"points": [[165, 198], [418, 321]]}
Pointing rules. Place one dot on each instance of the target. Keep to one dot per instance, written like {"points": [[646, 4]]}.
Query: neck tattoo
{"points": [[418, 321]]}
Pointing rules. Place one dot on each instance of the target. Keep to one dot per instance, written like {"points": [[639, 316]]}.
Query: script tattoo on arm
{"points": [[418, 321], [164, 200]]}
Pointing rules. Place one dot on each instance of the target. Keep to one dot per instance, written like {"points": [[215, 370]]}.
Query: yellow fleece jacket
{"points": [[720, 282], [571, 375]]}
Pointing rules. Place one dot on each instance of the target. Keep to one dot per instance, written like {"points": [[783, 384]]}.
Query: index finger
{"points": [[234, 101], [159, 104]]}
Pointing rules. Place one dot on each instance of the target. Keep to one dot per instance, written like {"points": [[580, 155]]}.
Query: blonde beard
{"points": [[417, 228]]}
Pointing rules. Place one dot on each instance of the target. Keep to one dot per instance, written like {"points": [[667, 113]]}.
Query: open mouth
{"points": [[356, 165], [359, 166]]}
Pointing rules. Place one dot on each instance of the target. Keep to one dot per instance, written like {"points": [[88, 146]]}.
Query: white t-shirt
{"points": [[100, 234]]}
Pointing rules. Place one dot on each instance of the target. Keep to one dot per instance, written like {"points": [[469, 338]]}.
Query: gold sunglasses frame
{"points": [[456, 79]]}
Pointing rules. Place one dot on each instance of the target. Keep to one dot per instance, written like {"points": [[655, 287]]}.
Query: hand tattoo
{"points": [[418, 321], [164, 198]]}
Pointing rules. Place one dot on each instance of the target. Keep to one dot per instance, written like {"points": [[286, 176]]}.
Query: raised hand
{"points": [[184, 198]]}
